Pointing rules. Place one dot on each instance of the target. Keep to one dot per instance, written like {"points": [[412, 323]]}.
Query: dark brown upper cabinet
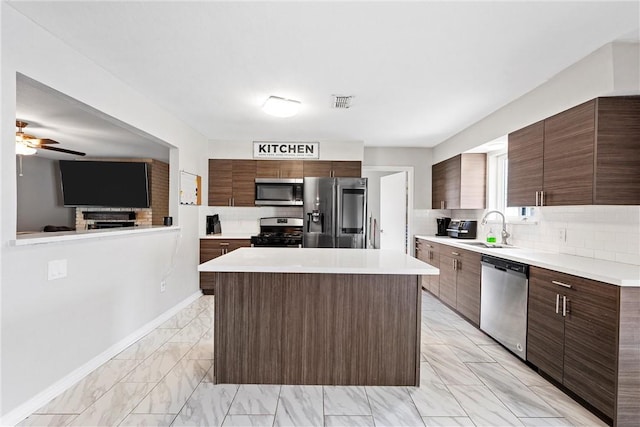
{"points": [[587, 155], [342, 169], [460, 182], [279, 169], [232, 182]]}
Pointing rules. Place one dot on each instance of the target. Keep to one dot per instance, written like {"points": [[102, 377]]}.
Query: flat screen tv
{"points": [[105, 184]]}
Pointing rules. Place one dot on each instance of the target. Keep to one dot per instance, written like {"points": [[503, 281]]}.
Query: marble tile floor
{"points": [[165, 379]]}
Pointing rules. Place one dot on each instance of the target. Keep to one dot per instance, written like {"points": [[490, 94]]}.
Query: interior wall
{"points": [[51, 328], [611, 70], [419, 158], [39, 198]]}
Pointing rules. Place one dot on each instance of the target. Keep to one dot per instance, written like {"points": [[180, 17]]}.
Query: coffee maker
{"points": [[443, 224], [213, 224]]}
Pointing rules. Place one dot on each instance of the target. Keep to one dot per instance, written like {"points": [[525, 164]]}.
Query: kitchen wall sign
{"points": [[286, 150]]}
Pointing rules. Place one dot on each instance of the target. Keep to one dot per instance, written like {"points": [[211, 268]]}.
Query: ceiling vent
{"points": [[340, 101]]}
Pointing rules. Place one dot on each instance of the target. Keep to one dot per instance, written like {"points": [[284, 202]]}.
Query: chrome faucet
{"points": [[505, 234]]}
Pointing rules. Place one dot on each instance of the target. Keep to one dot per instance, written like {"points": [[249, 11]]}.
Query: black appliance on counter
{"points": [[213, 224], [283, 232], [462, 229], [443, 224]]}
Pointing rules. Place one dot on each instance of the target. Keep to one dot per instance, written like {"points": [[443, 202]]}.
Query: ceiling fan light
{"points": [[24, 149], [281, 107]]}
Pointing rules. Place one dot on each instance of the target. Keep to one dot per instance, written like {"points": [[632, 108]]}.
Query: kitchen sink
{"points": [[488, 245]]}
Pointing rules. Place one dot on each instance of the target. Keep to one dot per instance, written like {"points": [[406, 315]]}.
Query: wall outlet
{"points": [[57, 269], [562, 235], [163, 286]]}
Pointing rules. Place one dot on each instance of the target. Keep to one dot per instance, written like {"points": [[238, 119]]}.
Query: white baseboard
{"points": [[45, 396]]}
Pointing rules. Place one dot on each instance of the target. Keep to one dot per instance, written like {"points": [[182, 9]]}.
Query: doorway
{"points": [[396, 218]]}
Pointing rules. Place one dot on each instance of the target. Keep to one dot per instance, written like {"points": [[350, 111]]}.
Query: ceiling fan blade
{"points": [[62, 150], [43, 141]]}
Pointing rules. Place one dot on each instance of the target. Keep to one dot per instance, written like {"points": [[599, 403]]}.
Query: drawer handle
{"points": [[557, 303], [455, 253], [564, 285], [224, 244]]}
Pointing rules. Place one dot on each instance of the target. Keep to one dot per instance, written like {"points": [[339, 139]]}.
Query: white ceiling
{"points": [[420, 71], [76, 126]]}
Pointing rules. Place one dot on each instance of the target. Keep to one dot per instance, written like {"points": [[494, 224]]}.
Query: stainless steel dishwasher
{"points": [[503, 302]]}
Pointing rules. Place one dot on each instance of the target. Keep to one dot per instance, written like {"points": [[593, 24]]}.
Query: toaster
{"points": [[462, 229]]}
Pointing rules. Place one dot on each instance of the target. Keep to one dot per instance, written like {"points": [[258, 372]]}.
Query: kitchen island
{"points": [[317, 316]]}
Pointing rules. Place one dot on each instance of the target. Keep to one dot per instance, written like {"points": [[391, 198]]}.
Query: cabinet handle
{"points": [[564, 306], [537, 198], [430, 254], [454, 264], [564, 285], [557, 303], [542, 198]]}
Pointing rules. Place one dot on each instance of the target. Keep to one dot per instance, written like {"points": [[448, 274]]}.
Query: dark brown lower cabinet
{"points": [[459, 284], [429, 252], [574, 336], [213, 248]]}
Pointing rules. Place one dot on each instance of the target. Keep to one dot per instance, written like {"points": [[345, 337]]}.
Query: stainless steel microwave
{"points": [[279, 192]]}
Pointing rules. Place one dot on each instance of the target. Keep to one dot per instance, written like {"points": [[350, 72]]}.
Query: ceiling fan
{"points": [[28, 144]]}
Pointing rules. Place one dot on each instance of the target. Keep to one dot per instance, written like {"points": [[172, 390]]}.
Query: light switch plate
{"points": [[57, 269]]}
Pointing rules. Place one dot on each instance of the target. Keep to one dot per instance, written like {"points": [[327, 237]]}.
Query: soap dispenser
{"points": [[491, 238]]}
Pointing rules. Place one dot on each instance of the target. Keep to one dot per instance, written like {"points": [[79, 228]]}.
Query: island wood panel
{"points": [[248, 316], [569, 139], [628, 375], [617, 170], [335, 329], [525, 159], [220, 182]]}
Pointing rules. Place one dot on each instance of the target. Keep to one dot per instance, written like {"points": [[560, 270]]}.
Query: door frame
{"points": [[409, 170]]}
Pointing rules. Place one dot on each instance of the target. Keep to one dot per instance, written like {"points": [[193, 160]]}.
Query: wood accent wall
{"points": [[287, 328], [159, 185]]}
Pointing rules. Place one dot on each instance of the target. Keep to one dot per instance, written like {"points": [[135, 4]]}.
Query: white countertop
{"points": [[615, 273], [318, 260], [229, 236], [64, 236]]}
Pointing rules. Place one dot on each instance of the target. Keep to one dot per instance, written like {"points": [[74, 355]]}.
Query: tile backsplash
{"points": [[243, 220], [602, 232]]}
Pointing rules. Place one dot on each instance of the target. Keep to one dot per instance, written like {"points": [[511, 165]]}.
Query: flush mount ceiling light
{"points": [[281, 107]]}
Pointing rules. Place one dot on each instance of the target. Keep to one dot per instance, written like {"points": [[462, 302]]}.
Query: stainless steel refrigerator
{"points": [[335, 212]]}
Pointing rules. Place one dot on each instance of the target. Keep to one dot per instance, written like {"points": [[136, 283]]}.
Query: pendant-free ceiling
{"points": [[281, 107]]}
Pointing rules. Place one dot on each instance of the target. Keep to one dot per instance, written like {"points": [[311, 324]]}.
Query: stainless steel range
{"points": [[279, 232]]}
